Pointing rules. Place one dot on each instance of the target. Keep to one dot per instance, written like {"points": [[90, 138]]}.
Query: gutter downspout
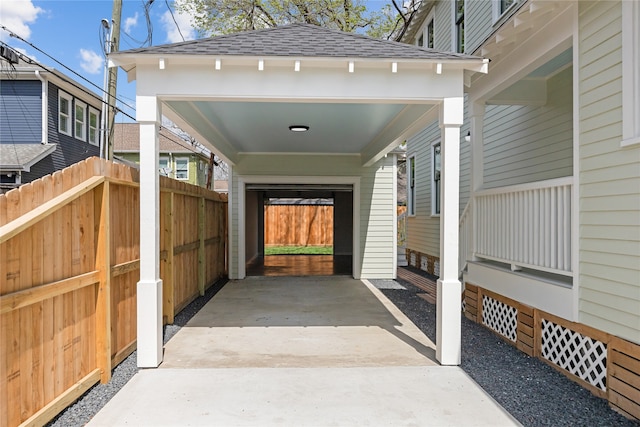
{"points": [[45, 108]]}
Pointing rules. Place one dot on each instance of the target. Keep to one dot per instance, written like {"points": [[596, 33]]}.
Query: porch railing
{"points": [[525, 225]]}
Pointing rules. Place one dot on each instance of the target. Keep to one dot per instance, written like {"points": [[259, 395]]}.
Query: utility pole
{"points": [[112, 79]]}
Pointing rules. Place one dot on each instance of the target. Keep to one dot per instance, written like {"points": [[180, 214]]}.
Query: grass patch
{"points": [[298, 250]]}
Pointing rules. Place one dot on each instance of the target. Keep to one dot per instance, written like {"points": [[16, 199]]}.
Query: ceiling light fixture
{"points": [[298, 128]]}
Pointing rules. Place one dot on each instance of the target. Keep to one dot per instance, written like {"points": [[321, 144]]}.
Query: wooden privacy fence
{"points": [[298, 225], [69, 260]]}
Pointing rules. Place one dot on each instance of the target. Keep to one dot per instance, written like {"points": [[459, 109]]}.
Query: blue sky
{"points": [[69, 31]]}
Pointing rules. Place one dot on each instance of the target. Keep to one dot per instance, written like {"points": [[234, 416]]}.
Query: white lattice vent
{"points": [[424, 262], [436, 268], [412, 258], [500, 317], [583, 356]]}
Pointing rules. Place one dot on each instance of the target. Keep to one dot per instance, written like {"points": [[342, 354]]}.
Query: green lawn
{"points": [[298, 250]]}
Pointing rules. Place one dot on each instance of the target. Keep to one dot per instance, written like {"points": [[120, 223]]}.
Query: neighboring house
{"points": [[297, 109], [549, 204], [47, 122], [178, 159]]}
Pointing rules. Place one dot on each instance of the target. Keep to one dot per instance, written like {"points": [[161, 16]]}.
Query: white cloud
{"points": [[91, 61], [17, 15], [130, 22], [183, 22]]}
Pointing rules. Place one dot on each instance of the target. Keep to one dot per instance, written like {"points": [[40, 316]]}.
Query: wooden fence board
{"points": [[70, 261], [300, 225]]}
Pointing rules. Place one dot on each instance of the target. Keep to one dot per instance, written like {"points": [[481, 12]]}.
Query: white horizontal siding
{"points": [[526, 143], [478, 20], [609, 181], [423, 230], [442, 26], [376, 219]]}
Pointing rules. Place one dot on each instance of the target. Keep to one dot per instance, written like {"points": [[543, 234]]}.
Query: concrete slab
{"points": [[301, 352], [299, 322], [397, 396]]}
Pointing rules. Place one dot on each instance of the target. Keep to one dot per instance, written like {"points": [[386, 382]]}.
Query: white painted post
{"points": [[448, 320], [149, 289], [476, 111]]}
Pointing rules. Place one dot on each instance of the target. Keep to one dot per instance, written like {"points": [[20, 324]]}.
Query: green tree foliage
{"points": [[214, 17]]}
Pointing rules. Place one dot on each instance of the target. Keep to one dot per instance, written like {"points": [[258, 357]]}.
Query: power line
{"points": [[74, 84], [30, 61], [174, 19]]}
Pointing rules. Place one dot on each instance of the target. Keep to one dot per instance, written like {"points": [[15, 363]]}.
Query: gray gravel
{"points": [[533, 392], [529, 389]]}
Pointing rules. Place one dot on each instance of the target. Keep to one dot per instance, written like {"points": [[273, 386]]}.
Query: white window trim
{"points": [[454, 41], [433, 179], [69, 115], [83, 136], [97, 128], [496, 10], [176, 160], [630, 73], [411, 193]]}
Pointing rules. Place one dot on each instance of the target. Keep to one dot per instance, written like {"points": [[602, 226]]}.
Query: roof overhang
{"points": [[244, 104]]}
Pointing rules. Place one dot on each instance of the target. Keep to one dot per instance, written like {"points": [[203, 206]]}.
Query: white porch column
{"points": [[476, 111], [448, 321], [149, 290]]}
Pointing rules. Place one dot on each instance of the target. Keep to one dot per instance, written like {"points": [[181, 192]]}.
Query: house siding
{"points": [[527, 144], [423, 229], [376, 219], [442, 26], [478, 23], [609, 178], [21, 106], [69, 150], [376, 201]]}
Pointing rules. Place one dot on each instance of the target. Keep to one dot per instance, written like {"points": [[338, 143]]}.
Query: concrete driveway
{"points": [[312, 351]]}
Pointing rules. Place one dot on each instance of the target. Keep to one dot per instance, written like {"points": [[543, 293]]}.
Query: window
{"points": [[459, 16], [500, 7], [630, 73], [436, 187], [94, 130], [163, 166], [182, 168], [411, 185], [64, 113], [426, 36], [80, 127]]}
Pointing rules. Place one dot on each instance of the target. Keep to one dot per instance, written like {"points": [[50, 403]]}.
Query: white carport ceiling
{"points": [[264, 126]]}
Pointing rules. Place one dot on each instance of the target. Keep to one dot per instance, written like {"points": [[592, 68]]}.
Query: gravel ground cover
{"points": [[533, 392], [529, 389]]}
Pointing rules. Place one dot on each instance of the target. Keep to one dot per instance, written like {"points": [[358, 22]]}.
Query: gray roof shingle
{"points": [[299, 40], [19, 156]]}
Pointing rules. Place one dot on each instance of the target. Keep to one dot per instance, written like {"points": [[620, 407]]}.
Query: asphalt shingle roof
{"points": [[300, 40], [18, 156]]}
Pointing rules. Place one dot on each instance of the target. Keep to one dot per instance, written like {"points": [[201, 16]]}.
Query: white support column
{"points": [[477, 112], [149, 290], [448, 320]]}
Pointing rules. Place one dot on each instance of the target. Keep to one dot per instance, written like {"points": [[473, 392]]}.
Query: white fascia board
{"points": [[311, 85]]}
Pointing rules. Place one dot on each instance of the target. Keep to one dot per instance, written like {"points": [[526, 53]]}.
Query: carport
{"points": [[302, 105]]}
